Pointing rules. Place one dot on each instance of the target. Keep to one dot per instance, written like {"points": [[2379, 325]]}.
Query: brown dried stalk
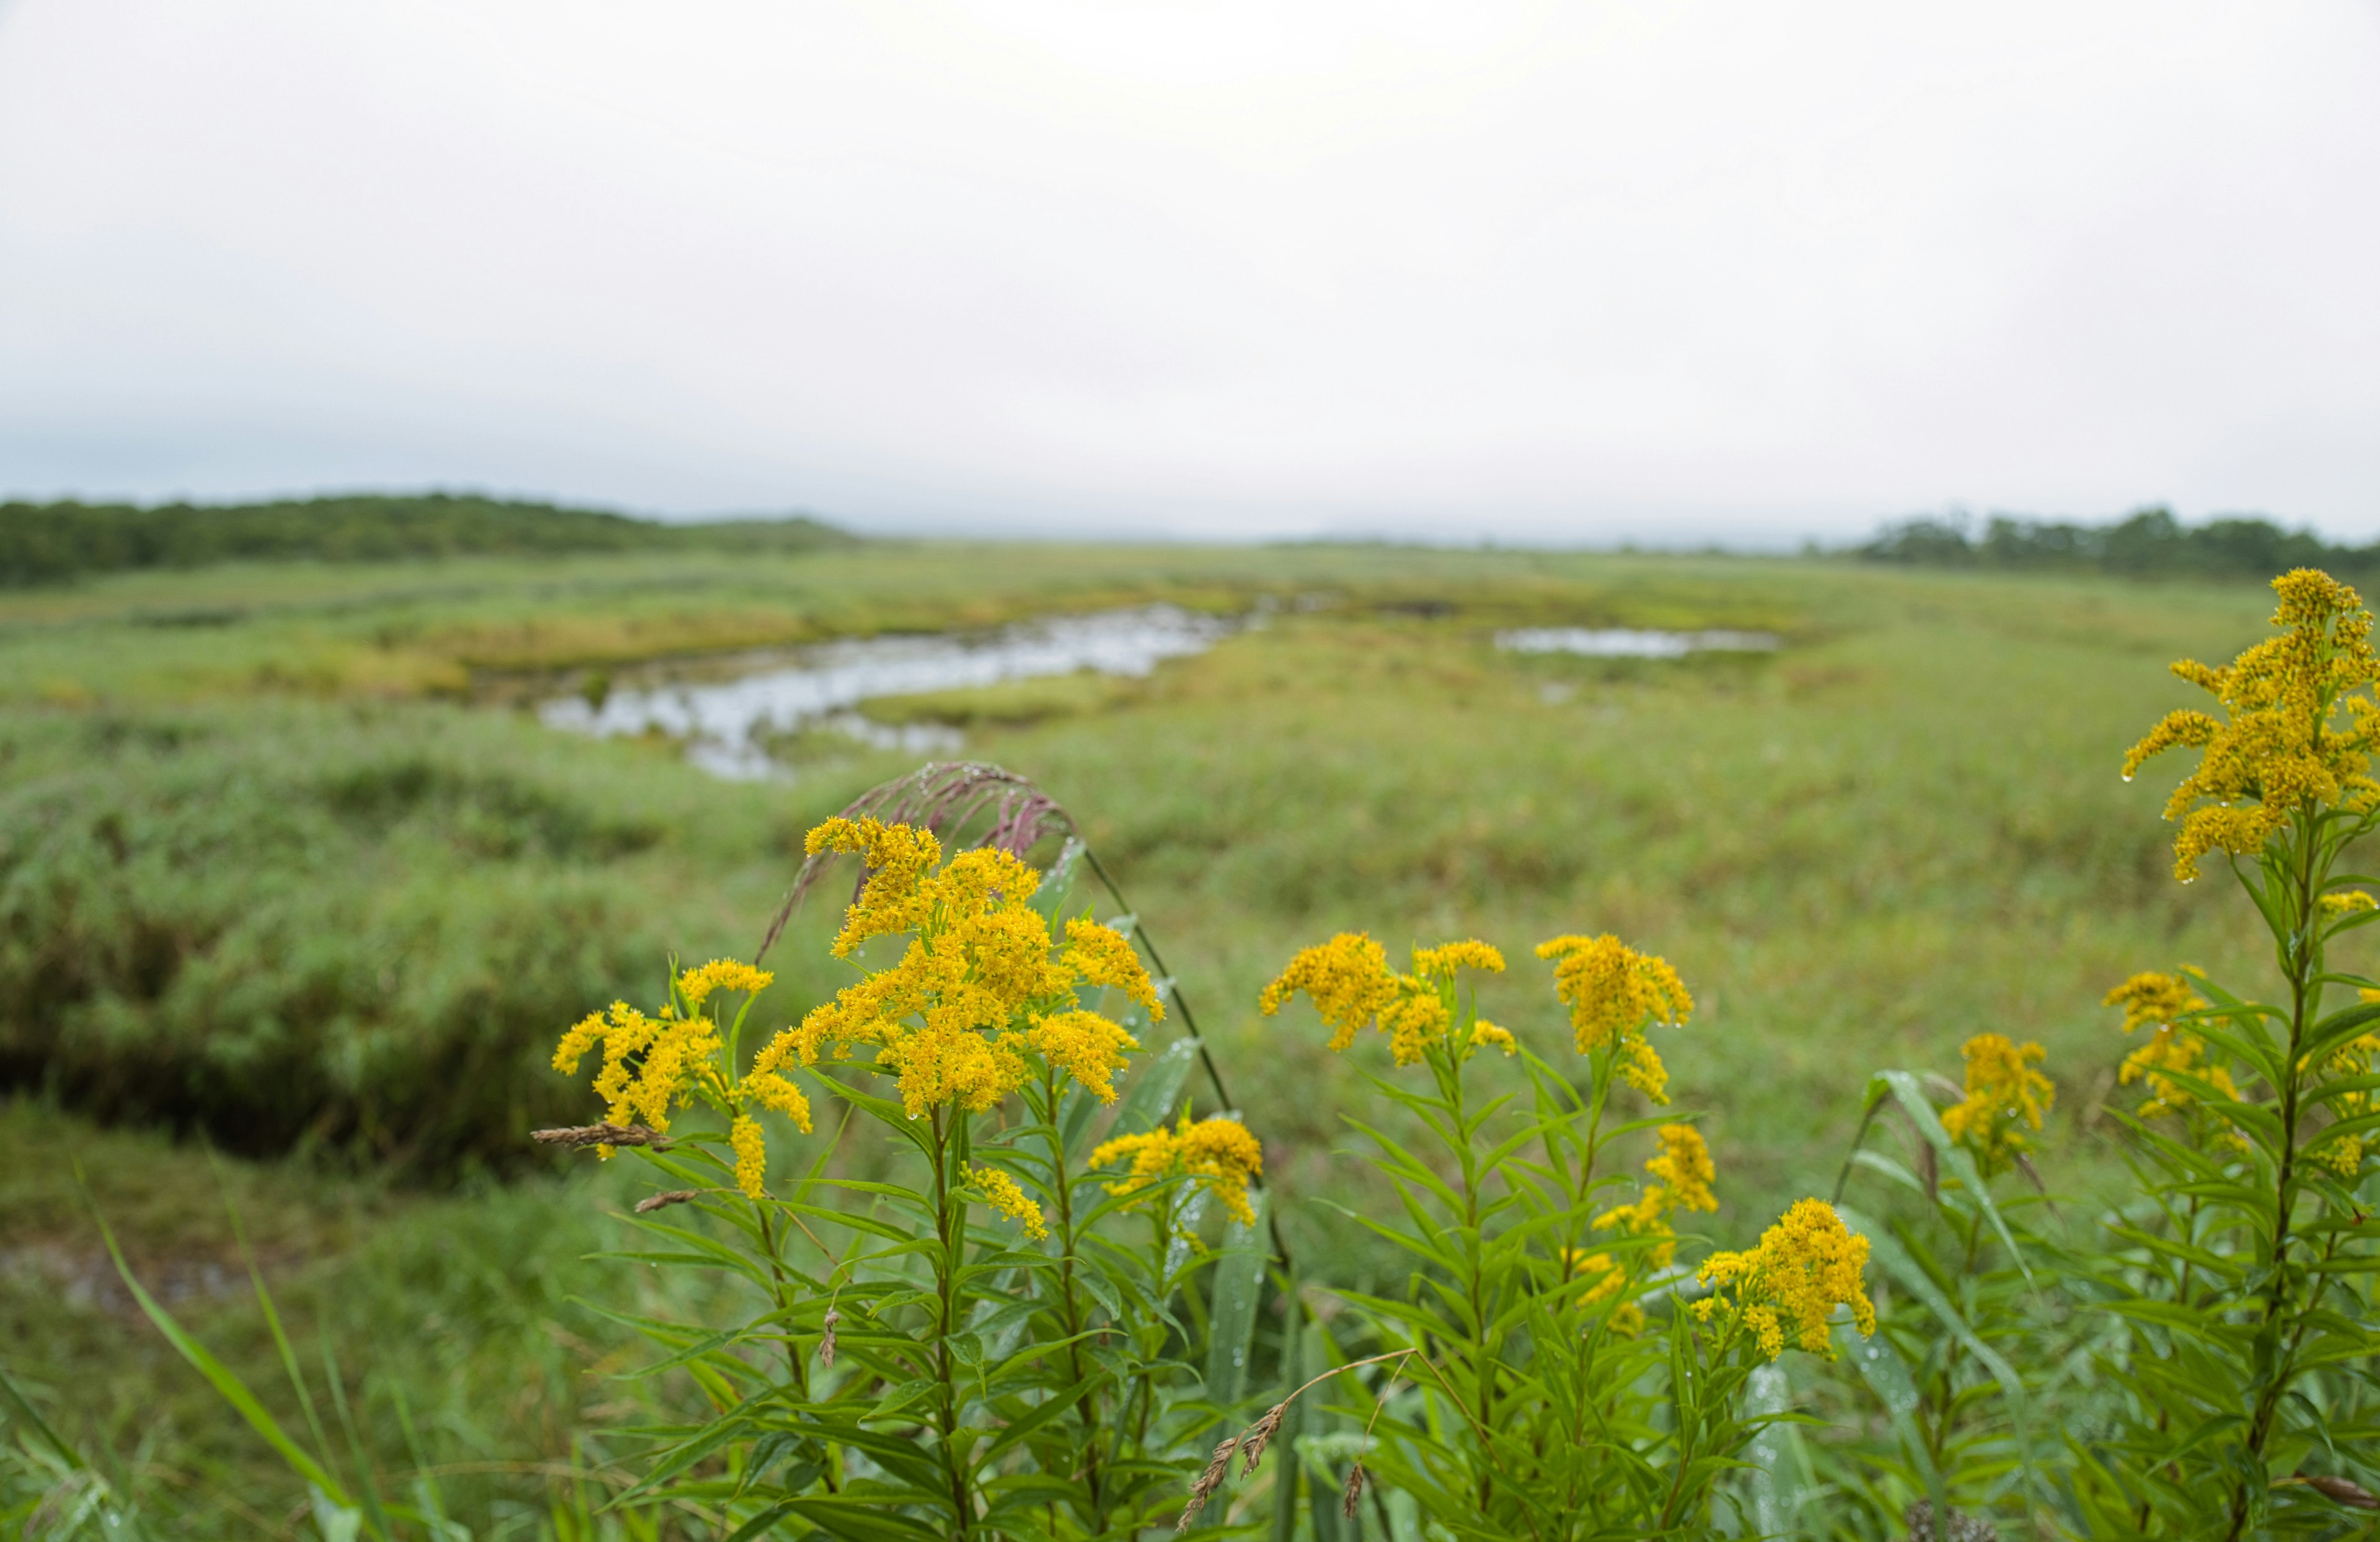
{"points": [[1260, 1433], [2347, 1492], [1257, 1434], [1209, 1481], [662, 1200], [826, 1337], [1355, 1490], [601, 1135]]}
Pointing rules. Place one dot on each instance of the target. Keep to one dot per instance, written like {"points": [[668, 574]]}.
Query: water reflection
{"points": [[725, 724], [1624, 643]]}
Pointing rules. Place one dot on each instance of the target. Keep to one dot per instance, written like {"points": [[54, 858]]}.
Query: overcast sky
{"points": [[1575, 271]]}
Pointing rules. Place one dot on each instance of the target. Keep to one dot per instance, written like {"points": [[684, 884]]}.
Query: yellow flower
{"points": [[2170, 1050], [1484, 1033], [650, 1063], [1613, 991], [1641, 1068], [2350, 901], [1105, 956], [1000, 1192], [1683, 1165], [981, 987], [1440, 963], [2277, 749], [1415, 1021], [751, 1155], [1684, 1168], [721, 973], [898, 856], [1218, 1151], [1084, 1045], [2154, 999], [1805, 1266], [2003, 1091], [1349, 980], [2344, 1155], [1627, 1319]]}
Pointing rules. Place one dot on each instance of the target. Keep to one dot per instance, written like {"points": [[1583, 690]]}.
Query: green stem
{"points": [[1070, 1301], [946, 1264], [2299, 955]]}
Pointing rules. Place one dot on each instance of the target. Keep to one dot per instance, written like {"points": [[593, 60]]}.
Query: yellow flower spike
{"points": [[1805, 1266], [2154, 1000], [1225, 1158], [1684, 1168], [721, 973], [1084, 1045], [770, 1090], [2350, 901], [1612, 993], [1641, 1068], [1415, 1022], [1484, 1033], [1611, 989], [1218, 1151], [1103, 955], [1347, 978], [2278, 747], [1627, 1319], [1440, 962], [2345, 1156], [751, 1155], [1000, 1192], [2003, 1093], [980, 989], [898, 858]]}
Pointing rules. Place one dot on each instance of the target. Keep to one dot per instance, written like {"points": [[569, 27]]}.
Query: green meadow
{"points": [[297, 892]]}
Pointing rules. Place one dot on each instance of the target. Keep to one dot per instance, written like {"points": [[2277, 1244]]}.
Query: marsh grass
{"points": [[238, 851]]}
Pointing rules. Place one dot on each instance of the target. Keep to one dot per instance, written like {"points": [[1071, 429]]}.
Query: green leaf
{"points": [[1239, 1288], [227, 1385], [1920, 1108], [1149, 1096]]}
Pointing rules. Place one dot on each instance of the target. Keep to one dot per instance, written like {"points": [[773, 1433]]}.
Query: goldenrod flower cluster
{"points": [[1216, 1151], [2004, 1092], [1000, 1192], [751, 1153], [2344, 1155], [653, 1064], [1627, 1319], [1684, 1167], [2348, 902], [1806, 1264], [1349, 980], [981, 987], [2277, 749], [1613, 991], [2154, 1000]]}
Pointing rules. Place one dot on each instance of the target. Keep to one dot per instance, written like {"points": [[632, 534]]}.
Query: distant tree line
{"points": [[43, 544], [2149, 543]]}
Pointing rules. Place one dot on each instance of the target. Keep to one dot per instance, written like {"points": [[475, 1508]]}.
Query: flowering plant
{"points": [[1520, 1385], [910, 1369]]}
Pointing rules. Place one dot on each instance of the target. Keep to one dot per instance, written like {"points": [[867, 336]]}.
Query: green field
{"points": [[284, 865]]}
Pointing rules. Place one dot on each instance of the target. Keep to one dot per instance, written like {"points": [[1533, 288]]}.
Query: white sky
{"points": [[1567, 271]]}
